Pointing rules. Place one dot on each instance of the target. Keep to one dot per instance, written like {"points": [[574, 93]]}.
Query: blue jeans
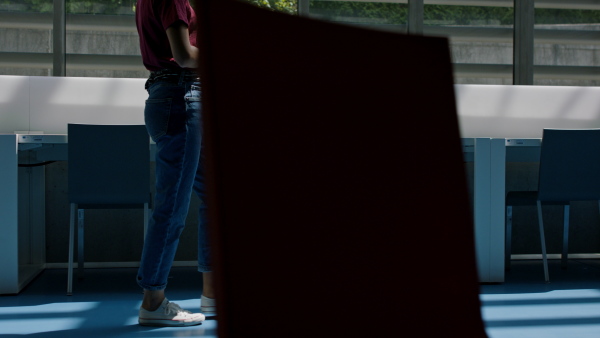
{"points": [[173, 118]]}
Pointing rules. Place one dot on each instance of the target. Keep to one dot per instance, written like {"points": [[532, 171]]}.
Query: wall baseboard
{"points": [[105, 265], [555, 256]]}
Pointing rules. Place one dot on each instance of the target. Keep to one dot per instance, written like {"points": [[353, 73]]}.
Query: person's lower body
{"points": [[173, 120]]}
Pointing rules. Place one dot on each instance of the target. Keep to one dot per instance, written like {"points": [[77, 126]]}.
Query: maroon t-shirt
{"points": [[152, 18]]}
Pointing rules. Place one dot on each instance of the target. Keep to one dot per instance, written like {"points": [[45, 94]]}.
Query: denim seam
{"points": [[171, 213]]}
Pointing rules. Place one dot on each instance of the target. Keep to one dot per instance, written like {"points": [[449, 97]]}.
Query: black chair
{"points": [[108, 168], [569, 167], [325, 144]]}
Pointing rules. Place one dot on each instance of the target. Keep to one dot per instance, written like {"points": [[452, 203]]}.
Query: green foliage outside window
{"points": [[389, 13], [554, 16], [468, 15], [118, 6], [72, 6], [101, 7], [39, 6], [285, 6], [372, 12]]}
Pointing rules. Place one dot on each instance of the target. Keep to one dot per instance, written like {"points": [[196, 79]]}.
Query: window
{"points": [[26, 37], [101, 39], [385, 15], [567, 43], [481, 38]]}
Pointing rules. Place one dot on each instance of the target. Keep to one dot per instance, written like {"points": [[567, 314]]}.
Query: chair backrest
{"points": [[569, 165], [108, 165], [336, 179]]}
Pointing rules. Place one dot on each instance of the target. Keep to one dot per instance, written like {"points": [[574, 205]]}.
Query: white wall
{"points": [[49, 104], [524, 111]]}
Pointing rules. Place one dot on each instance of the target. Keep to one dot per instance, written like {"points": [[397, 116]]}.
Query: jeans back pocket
{"points": [[156, 116]]}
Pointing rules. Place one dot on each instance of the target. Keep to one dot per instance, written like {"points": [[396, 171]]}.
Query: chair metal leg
{"points": [[565, 249], [80, 233], [508, 239], [543, 240], [71, 246]]}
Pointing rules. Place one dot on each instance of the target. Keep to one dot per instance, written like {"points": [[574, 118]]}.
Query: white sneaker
{"points": [[169, 314], [208, 306]]}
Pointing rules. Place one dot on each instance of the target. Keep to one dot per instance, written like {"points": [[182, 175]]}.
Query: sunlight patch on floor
{"points": [[557, 313], [51, 308], [28, 326], [555, 294], [579, 331]]}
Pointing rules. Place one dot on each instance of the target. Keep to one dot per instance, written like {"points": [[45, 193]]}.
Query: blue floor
{"points": [[105, 304], [525, 306]]}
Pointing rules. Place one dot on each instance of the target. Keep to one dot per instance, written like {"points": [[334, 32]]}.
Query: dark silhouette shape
{"points": [[338, 199]]}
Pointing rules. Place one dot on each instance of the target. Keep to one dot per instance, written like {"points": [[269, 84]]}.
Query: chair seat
{"points": [[517, 198], [523, 198], [117, 206]]}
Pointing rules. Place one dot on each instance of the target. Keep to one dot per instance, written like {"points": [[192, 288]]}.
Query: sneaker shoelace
{"points": [[175, 309]]}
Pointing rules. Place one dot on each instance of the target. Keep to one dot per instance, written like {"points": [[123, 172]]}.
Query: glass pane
{"points": [[481, 40], [113, 7], [102, 39], [26, 37], [385, 15], [567, 46], [30, 6]]}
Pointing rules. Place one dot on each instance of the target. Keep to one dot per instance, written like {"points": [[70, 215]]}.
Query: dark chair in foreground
{"points": [[108, 168], [569, 171], [325, 145]]}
